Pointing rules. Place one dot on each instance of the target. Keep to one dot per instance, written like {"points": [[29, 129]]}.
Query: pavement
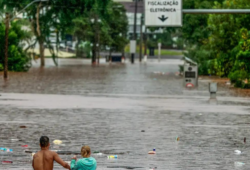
{"points": [[123, 109]]}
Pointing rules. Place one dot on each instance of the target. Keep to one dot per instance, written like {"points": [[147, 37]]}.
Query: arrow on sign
{"points": [[163, 18]]}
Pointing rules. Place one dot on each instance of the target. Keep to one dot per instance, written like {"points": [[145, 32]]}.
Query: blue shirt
{"points": [[83, 164]]}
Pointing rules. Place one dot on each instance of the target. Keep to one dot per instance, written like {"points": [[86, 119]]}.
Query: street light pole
{"points": [[134, 35]]}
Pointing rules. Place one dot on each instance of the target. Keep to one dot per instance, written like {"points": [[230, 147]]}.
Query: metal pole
{"points": [[134, 36], [145, 44], [98, 41], [216, 11], [141, 38], [7, 27]]}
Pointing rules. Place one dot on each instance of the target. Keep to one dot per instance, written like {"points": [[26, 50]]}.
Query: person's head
{"points": [[85, 151], [44, 142]]}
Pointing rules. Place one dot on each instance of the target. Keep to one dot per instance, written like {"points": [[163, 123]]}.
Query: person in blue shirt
{"points": [[86, 163]]}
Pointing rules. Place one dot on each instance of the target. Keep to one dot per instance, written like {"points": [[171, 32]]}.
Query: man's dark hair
{"points": [[44, 141]]}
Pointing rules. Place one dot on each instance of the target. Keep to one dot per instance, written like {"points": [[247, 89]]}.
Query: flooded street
{"points": [[125, 110]]}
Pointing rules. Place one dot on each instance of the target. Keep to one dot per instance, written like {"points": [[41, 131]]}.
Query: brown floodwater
{"points": [[126, 110]]}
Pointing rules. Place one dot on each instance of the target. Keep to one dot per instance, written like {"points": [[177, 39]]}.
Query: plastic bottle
{"points": [[6, 150], [7, 162], [112, 157]]}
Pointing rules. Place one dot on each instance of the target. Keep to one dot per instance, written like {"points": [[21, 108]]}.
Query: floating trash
{"points": [[152, 152], [25, 146], [27, 151], [32, 156], [23, 127], [239, 163], [177, 139], [99, 154], [7, 162], [237, 152], [57, 142], [112, 157], [15, 140], [6, 150], [153, 168], [245, 140]]}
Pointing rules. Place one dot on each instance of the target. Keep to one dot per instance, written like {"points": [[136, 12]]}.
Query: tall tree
{"points": [[9, 8]]}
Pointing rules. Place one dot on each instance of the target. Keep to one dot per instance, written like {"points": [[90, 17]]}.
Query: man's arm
{"points": [[60, 161]]}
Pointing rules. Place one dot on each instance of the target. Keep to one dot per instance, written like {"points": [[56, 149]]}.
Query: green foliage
{"points": [[217, 42], [110, 28], [240, 74], [18, 60]]}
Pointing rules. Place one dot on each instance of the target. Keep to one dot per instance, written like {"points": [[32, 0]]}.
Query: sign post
{"points": [[132, 47], [162, 13]]}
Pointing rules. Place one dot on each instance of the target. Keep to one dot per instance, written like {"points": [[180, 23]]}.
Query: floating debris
{"points": [[152, 152], [239, 163], [6, 150], [57, 142], [237, 152], [112, 157], [7, 162]]}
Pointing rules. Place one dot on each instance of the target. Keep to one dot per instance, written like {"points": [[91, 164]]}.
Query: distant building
{"points": [[130, 7]]}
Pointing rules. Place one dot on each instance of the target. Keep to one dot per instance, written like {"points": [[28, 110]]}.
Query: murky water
{"points": [[107, 107]]}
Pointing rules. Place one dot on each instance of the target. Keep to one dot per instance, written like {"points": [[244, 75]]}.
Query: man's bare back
{"points": [[44, 159]]}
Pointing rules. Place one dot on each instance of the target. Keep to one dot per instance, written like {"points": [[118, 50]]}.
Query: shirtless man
{"points": [[44, 159]]}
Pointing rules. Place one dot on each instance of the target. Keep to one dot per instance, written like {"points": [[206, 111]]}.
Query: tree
{"points": [[224, 33], [240, 74], [118, 27], [212, 38], [9, 8], [68, 11], [18, 60], [109, 29]]}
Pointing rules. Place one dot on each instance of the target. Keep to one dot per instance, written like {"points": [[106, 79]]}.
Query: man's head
{"points": [[44, 142]]}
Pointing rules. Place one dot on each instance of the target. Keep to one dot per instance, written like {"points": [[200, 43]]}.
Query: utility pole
{"points": [[7, 27], [134, 36], [145, 42], [94, 49], [141, 38]]}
